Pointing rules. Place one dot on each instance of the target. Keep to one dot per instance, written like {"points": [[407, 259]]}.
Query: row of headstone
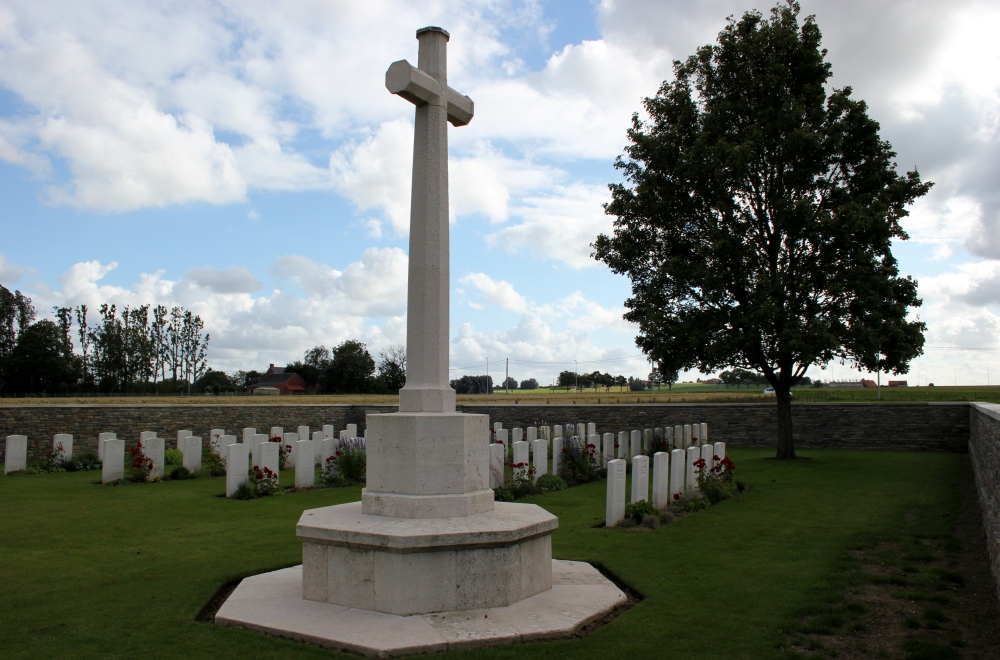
{"points": [[674, 474]]}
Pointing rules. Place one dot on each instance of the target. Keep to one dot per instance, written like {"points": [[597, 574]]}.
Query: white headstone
{"points": [[661, 479], [192, 452], [237, 470], [615, 506], [581, 430], [317, 439], [305, 463], [541, 459], [677, 458], [607, 448], [706, 455], [303, 433], [704, 432], [502, 439], [497, 456], [622, 445], [591, 428], [101, 437], [224, 443], [66, 441], [545, 432], [113, 466], [521, 453], [267, 456], [256, 442], [687, 436], [497, 426], [691, 473], [635, 444], [557, 431], [640, 478], [557, 453], [16, 453], [276, 432], [647, 440], [288, 446], [181, 434], [153, 449], [696, 434], [531, 433], [352, 430], [720, 450], [248, 434], [329, 432], [517, 434], [679, 437]]}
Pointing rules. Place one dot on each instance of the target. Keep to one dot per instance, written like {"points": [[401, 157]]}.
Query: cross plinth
{"points": [[427, 386]]}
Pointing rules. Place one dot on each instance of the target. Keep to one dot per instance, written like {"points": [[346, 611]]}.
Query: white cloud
{"points": [[559, 226], [11, 272], [500, 293], [237, 279]]}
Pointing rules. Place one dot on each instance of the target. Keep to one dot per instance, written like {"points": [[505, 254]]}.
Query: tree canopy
{"points": [[756, 216]]}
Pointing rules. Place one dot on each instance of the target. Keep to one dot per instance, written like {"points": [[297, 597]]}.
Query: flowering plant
{"points": [[265, 481], [716, 482], [138, 467], [283, 450], [52, 459], [580, 462], [348, 465]]}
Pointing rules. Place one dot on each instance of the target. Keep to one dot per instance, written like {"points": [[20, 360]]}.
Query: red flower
{"points": [[677, 496]]}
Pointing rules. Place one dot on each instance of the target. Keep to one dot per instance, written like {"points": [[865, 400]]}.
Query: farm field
{"points": [[682, 393]]}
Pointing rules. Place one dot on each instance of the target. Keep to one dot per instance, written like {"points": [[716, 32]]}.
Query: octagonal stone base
{"points": [[409, 566], [272, 603]]}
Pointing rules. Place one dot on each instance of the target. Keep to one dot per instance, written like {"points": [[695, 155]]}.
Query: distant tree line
{"points": [[121, 351], [348, 368]]}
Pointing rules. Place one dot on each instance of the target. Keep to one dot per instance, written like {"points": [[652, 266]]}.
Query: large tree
{"points": [[756, 216]]}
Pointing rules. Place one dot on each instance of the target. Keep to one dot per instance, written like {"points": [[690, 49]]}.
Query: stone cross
{"points": [[427, 301]]}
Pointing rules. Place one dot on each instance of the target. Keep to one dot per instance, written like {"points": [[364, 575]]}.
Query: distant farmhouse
{"points": [[275, 382], [864, 382]]}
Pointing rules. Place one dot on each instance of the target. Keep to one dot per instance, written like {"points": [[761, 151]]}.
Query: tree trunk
{"points": [[786, 443]]}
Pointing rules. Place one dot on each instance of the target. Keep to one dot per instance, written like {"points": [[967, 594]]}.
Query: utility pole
{"points": [[487, 383], [506, 375], [576, 372]]}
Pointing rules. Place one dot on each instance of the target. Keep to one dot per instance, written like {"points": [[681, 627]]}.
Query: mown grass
{"points": [[682, 393], [92, 570]]}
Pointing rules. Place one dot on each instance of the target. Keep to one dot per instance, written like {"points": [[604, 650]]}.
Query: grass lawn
{"points": [[90, 570]]}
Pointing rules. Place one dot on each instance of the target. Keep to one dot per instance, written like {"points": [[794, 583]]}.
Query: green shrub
{"points": [[245, 491], [86, 460], [716, 483], [580, 462], [180, 473], [213, 465], [549, 483], [173, 457], [349, 464]]}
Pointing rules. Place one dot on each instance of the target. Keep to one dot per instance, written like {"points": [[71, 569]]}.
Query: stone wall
{"points": [[984, 452], [900, 426], [85, 422]]}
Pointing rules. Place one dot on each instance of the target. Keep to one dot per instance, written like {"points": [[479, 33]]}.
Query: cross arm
{"points": [[420, 88]]}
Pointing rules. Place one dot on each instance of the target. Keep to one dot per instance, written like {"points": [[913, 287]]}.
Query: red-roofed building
{"points": [[275, 378]]}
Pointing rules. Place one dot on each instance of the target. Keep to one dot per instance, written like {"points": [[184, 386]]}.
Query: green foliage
{"points": [[581, 462], [716, 483], [548, 483], [85, 460], [757, 216], [349, 464], [263, 482], [352, 369], [181, 473], [529, 384], [245, 491], [173, 457], [213, 465], [40, 362]]}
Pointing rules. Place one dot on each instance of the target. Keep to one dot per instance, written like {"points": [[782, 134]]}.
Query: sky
{"points": [[243, 159]]}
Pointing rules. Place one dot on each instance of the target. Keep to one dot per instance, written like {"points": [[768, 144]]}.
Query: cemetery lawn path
{"points": [[100, 571]]}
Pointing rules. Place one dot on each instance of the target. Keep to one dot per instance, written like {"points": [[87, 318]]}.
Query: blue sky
{"points": [[244, 160]]}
